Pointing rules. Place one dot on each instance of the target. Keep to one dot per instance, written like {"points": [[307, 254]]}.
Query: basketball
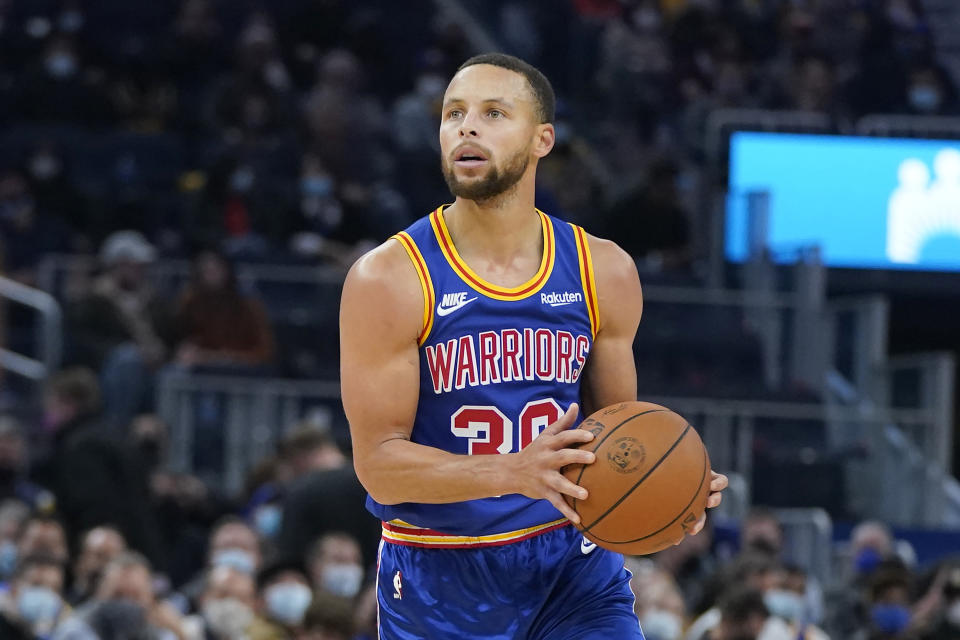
{"points": [[649, 483]]}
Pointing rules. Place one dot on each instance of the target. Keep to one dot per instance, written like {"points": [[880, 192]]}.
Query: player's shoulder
{"points": [[384, 274], [611, 264]]}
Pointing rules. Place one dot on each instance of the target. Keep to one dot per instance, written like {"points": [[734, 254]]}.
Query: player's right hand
{"points": [[537, 468]]}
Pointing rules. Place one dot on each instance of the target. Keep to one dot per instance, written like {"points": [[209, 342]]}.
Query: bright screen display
{"points": [[875, 203]]}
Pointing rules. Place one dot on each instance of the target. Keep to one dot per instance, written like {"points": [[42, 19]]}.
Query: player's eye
{"points": [[496, 114], [454, 114]]}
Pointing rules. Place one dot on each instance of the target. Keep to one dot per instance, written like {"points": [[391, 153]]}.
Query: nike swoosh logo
{"points": [[586, 546], [445, 311]]}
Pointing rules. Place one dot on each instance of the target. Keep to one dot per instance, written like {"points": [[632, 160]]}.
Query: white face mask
{"points": [[342, 579], [658, 624], [287, 602], [38, 605], [784, 604], [227, 617], [237, 559]]}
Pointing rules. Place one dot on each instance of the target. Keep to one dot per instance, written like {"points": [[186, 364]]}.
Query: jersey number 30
{"points": [[488, 430]]}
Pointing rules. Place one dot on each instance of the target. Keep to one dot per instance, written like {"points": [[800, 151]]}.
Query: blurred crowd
{"points": [[305, 131]]}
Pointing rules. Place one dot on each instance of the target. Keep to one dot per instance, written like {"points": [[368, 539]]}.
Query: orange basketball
{"points": [[649, 483]]}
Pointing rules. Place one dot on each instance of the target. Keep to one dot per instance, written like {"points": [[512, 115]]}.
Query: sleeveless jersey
{"points": [[497, 365]]}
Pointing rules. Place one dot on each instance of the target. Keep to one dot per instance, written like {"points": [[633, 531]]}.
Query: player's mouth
{"points": [[469, 156]]}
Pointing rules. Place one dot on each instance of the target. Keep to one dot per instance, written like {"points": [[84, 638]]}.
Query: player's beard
{"points": [[494, 183]]}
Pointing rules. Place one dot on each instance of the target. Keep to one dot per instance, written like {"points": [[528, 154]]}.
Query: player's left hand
{"points": [[718, 482]]}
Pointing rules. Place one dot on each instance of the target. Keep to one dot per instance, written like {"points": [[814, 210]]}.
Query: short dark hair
{"points": [[78, 386], [539, 85], [740, 603], [330, 613], [37, 560], [304, 439]]}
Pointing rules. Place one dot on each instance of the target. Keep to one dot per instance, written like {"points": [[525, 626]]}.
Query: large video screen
{"points": [[874, 203]]}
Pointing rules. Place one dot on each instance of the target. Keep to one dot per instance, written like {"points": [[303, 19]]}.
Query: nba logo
{"points": [[397, 594]]}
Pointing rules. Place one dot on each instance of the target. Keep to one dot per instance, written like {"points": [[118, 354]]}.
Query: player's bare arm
{"points": [[381, 317], [611, 374]]}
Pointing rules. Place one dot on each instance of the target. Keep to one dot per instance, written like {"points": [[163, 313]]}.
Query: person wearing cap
{"points": [[117, 326]]}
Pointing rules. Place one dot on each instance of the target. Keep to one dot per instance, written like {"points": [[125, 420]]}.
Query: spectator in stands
{"points": [[34, 602], [124, 607], [43, 535], [14, 467], [226, 607], [327, 618], [335, 565], [659, 603], [742, 614], [945, 610], [692, 565], [116, 327], [217, 324], [232, 543], [97, 478], [327, 497], [871, 544], [930, 90], [888, 604], [13, 517], [758, 572], [762, 532], [285, 595], [98, 547]]}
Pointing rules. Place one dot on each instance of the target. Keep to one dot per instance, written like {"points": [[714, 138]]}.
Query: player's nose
{"points": [[468, 125]]}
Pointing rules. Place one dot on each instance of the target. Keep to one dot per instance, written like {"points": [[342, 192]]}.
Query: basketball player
{"points": [[468, 341]]}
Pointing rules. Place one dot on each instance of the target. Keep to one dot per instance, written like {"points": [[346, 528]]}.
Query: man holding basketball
{"points": [[477, 331]]}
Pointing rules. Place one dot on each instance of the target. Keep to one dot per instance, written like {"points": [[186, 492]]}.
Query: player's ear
{"points": [[545, 138]]}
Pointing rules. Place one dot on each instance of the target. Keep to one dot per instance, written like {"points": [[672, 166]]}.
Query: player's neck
{"points": [[500, 229]]}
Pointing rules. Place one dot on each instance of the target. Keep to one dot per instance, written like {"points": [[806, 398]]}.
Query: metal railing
{"points": [[221, 426], [49, 332]]}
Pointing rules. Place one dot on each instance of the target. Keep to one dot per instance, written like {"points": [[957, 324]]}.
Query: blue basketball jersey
{"points": [[497, 365]]}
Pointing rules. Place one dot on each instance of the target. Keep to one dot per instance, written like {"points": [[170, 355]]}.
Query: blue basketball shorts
{"points": [[553, 585]]}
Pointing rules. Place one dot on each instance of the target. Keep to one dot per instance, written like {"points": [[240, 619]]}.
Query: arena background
{"points": [[183, 185]]}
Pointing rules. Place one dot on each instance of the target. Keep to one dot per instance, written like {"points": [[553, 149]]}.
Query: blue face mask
{"points": [[287, 602], [784, 604], [316, 186], [924, 99], [268, 519], [8, 558], [866, 561], [38, 604], [890, 618]]}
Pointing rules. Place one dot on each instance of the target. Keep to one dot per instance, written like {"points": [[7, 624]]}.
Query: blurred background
{"points": [[184, 183]]}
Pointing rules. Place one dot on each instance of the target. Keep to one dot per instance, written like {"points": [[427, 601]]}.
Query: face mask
{"points": [[8, 558], [235, 559], [268, 519], [228, 618], [890, 618], [924, 99], [784, 604], [38, 605], [866, 561], [316, 186], [288, 601], [342, 579], [660, 625], [61, 65]]}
